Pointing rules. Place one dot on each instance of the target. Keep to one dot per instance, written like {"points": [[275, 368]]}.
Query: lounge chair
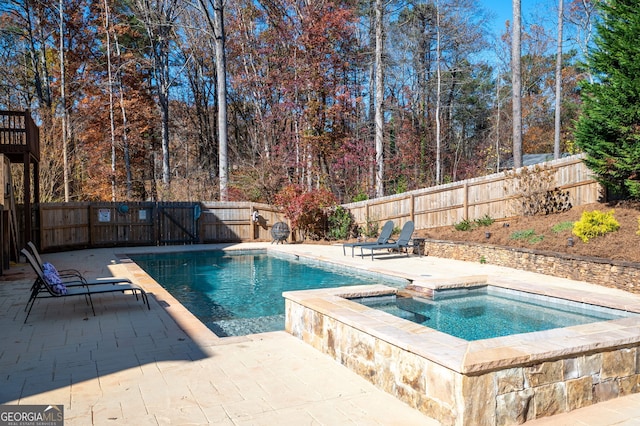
{"points": [[383, 238], [71, 276], [404, 241], [44, 288]]}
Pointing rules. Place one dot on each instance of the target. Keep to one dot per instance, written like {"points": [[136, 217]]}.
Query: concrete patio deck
{"points": [[130, 365]]}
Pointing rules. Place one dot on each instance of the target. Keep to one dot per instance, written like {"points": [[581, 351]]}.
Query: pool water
{"points": [[235, 294], [489, 312]]}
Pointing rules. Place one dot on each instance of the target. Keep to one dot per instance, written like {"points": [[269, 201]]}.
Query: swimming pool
{"points": [[486, 312], [235, 293]]}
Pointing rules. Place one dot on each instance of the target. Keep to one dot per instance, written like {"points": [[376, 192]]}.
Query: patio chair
{"points": [[404, 241], [70, 276], [43, 287], [383, 238]]}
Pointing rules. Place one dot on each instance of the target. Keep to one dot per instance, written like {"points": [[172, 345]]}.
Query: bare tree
{"points": [[63, 105], [516, 82], [438, 96], [371, 110], [125, 123], [556, 139], [216, 24], [32, 48], [581, 15], [159, 18], [379, 118], [112, 122]]}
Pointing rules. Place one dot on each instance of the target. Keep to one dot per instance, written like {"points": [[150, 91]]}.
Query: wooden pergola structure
{"points": [[19, 143]]}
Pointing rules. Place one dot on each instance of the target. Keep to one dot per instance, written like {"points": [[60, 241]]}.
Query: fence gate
{"points": [[178, 223]]}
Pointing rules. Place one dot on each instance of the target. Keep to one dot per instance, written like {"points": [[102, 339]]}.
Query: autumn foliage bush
{"points": [[306, 210]]}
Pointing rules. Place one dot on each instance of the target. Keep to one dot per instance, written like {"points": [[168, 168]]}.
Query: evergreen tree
{"points": [[609, 128]]}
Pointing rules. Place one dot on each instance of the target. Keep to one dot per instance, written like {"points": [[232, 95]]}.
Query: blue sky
{"points": [[503, 11], [543, 12]]}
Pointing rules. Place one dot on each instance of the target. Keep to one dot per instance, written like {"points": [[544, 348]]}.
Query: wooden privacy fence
{"points": [[83, 225], [80, 225], [492, 195]]}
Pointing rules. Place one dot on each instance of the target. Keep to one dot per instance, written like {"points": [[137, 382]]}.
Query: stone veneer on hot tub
{"points": [[500, 381]]}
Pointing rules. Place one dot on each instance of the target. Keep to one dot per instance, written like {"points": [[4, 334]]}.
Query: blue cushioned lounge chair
{"points": [[73, 277], [383, 238], [42, 288], [404, 241]]}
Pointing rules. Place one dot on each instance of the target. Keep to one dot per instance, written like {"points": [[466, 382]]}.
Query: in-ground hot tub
{"points": [[485, 311], [503, 380]]}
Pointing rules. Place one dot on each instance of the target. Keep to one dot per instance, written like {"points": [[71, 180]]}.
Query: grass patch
{"points": [[528, 235], [562, 226], [522, 235], [536, 239]]}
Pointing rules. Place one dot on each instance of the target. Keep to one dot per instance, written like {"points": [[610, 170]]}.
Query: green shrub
{"points": [[485, 220], [562, 226], [595, 223], [467, 225], [371, 228], [361, 196], [340, 223], [463, 225]]}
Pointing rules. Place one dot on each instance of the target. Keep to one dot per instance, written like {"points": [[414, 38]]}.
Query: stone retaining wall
{"points": [[526, 393], [605, 272], [371, 344]]}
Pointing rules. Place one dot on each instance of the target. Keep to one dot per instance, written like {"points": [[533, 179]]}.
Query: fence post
{"points": [[366, 211], [465, 203], [253, 225], [90, 221], [412, 208], [155, 214]]}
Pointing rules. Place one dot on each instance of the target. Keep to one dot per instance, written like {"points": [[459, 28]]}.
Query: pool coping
{"points": [[465, 357], [480, 356], [488, 392]]}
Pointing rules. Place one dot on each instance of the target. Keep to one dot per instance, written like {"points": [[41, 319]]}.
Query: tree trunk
{"points": [[63, 103], [371, 124], [221, 69], [216, 24], [438, 93], [112, 124], [498, 102], [166, 166], [379, 119], [516, 81], [556, 139], [125, 127], [159, 18]]}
